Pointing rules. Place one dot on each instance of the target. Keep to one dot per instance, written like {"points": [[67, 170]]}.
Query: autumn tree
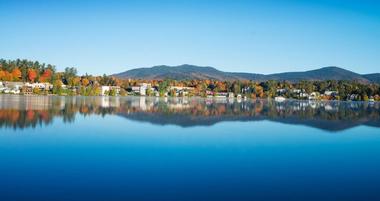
{"points": [[16, 74], [32, 75], [85, 82], [2, 75], [46, 75]]}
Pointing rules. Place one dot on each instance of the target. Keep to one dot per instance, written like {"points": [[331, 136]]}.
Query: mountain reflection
{"points": [[31, 111]]}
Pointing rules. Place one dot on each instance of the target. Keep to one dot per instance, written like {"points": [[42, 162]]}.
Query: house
{"points": [[314, 96], [352, 97], [141, 88], [246, 89], [231, 95], [181, 91], [331, 93], [106, 89], [281, 91], [41, 86], [135, 89], [300, 93], [2, 87], [303, 95], [14, 85], [11, 87], [297, 91], [209, 93]]}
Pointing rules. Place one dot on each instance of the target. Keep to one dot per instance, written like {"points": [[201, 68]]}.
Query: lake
{"points": [[141, 148]]}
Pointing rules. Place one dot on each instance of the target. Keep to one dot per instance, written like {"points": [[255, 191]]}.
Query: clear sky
{"points": [[247, 36]]}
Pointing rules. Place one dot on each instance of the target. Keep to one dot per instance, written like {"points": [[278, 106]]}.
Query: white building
{"points": [[314, 96], [141, 88], [106, 89], [331, 93], [42, 86]]}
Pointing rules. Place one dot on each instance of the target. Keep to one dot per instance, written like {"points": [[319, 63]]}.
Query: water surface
{"points": [[138, 148]]}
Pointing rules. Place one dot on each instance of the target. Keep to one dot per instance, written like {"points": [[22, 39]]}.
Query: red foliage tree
{"points": [[46, 76], [32, 75]]}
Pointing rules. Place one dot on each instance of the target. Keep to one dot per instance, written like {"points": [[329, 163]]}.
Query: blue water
{"points": [[111, 156]]}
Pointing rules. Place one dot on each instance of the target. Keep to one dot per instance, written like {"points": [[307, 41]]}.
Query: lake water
{"points": [[137, 148]]}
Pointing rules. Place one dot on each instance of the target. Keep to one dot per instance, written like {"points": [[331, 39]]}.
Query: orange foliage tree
{"points": [[85, 82], [16, 74], [32, 75], [2, 75]]}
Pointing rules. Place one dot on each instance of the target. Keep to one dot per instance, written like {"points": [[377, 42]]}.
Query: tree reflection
{"points": [[20, 112]]}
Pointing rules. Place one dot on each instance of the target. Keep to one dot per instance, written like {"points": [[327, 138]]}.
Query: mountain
{"points": [[191, 72], [374, 77]]}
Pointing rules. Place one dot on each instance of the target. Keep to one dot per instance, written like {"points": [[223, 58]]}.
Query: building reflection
{"points": [[31, 111]]}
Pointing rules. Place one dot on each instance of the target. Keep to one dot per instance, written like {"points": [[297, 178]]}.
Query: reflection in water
{"points": [[30, 111]]}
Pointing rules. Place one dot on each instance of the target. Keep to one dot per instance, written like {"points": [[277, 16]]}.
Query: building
{"points": [[314, 96], [141, 88], [281, 91], [352, 97], [181, 91], [107, 89], [331, 93], [41, 86]]}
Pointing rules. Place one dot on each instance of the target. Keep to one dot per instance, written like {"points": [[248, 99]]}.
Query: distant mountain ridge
{"points": [[192, 72]]}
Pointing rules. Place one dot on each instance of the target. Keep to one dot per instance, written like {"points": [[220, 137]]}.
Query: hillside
{"points": [[191, 72]]}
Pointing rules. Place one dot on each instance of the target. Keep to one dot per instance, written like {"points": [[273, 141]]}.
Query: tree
{"points": [[16, 74], [36, 90], [57, 87], [46, 75], [32, 75], [123, 92], [236, 88], [112, 92], [69, 75], [85, 82], [2, 75]]}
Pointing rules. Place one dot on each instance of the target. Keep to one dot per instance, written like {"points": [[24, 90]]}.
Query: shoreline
{"points": [[194, 97]]}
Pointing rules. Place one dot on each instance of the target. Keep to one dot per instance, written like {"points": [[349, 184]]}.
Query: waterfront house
{"points": [[314, 96], [281, 91], [181, 91], [331, 93], [209, 93], [353, 97], [141, 88], [300, 93], [107, 89], [39, 85], [13, 85], [297, 91]]}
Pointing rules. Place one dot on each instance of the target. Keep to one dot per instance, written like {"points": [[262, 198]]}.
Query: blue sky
{"points": [[248, 36]]}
